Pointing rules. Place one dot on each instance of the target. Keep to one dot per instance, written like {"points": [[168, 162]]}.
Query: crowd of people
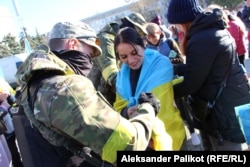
{"points": [[132, 86]]}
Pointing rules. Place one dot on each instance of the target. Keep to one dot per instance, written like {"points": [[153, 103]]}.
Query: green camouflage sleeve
{"points": [[107, 61], [70, 105]]}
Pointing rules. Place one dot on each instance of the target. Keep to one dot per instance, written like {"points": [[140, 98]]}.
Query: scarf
{"points": [[79, 62]]}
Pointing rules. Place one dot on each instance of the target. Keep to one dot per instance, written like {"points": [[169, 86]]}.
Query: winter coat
{"points": [[210, 53], [104, 70], [238, 35], [107, 61]]}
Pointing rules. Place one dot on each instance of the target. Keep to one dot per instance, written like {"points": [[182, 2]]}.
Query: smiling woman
{"points": [[132, 55], [146, 70]]}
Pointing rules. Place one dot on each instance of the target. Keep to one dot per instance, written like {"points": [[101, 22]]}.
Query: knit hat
{"points": [[156, 20], [138, 20], [183, 11], [78, 30]]}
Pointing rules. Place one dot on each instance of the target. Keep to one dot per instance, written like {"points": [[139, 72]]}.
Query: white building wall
{"points": [[148, 8], [8, 23]]}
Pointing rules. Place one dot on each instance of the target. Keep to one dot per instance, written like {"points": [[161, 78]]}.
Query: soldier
{"points": [[64, 107], [106, 65], [103, 73]]}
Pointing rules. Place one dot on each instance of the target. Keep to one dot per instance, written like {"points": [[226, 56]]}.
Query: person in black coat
{"points": [[210, 58], [245, 17]]}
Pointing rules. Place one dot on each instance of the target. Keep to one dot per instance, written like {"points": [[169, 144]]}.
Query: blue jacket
{"points": [[162, 46]]}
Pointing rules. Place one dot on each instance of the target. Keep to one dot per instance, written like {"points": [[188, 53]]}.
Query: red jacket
{"points": [[238, 35]]}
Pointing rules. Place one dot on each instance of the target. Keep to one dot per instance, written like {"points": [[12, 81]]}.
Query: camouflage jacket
{"points": [[107, 61], [104, 70], [68, 108]]}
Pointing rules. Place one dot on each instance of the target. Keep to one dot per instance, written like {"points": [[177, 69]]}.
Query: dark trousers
{"points": [[242, 59], [16, 158]]}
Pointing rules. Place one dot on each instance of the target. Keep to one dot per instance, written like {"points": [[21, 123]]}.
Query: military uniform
{"points": [[104, 70], [68, 111]]}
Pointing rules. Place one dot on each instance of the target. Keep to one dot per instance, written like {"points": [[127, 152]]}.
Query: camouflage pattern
{"points": [[68, 111], [101, 85], [138, 20], [107, 62], [104, 70], [78, 30]]}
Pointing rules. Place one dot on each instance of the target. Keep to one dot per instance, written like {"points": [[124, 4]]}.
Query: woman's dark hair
{"points": [[128, 35]]}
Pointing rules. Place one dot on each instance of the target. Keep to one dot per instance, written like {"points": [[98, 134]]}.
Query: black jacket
{"points": [[210, 52], [245, 16]]}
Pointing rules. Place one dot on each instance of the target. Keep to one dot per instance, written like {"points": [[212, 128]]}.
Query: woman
{"points": [[238, 31], [157, 40], [148, 71], [168, 47], [211, 58], [157, 20]]}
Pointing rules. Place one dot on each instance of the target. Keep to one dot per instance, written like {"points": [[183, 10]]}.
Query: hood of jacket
{"points": [[206, 20], [41, 59]]}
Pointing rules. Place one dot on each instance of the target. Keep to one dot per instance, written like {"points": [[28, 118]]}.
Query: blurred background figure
{"points": [[245, 15], [7, 101], [157, 20], [238, 30]]}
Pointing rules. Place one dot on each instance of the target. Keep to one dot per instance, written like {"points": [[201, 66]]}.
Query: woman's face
{"points": [[154, 37], [132, 55]]}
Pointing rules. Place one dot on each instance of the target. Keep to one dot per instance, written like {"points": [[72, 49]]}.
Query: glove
{"points": [[151, 99], [11, 99]]}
